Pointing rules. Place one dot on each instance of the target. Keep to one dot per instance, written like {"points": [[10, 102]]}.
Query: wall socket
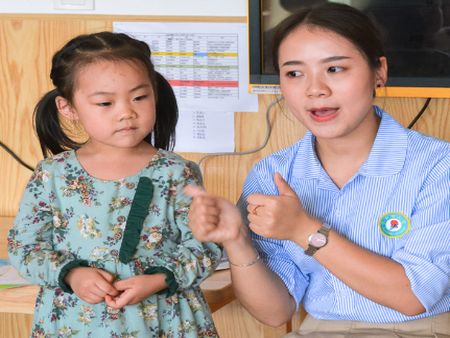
{"points": [[73, 4]]}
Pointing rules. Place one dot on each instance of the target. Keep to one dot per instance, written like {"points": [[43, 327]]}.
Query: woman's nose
{"points": [[317, 87]]}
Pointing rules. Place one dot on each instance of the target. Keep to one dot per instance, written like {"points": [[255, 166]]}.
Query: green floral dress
{"points": [[136, 225]]}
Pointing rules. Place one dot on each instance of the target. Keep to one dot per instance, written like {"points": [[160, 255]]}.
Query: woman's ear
{"points": [[65, 108], [381, 73]]}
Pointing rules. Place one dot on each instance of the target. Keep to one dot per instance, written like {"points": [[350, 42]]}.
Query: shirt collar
{"points": [[386, 157], [388, 152], [306, 162]]}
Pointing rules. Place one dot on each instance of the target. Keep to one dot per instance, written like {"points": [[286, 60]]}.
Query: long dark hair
{"points": [[84, 50], [341, 19]]}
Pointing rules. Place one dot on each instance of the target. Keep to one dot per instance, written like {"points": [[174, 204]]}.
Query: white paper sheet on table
{"points": [[9, 276]]}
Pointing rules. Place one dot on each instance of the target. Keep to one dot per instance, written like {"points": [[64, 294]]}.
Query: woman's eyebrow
{"points": [[326, 60]]}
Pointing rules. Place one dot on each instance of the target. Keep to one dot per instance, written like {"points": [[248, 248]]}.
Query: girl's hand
{"points": [[213, 218], [91, 284], [135, 289], [279, 217]]}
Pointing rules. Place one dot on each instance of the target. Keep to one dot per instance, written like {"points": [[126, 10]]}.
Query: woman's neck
{"points": [[342, 157]]}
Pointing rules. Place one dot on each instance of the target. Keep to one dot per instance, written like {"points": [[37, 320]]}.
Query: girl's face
{"points": [[114, 102], [327, 83]]}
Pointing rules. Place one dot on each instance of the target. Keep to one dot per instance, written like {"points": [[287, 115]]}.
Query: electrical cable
{"points": [[419, 114], [14, 155], [263, 144]]}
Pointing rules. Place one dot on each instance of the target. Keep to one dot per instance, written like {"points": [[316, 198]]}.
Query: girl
{"points": [[102, 226], [353, 219]]}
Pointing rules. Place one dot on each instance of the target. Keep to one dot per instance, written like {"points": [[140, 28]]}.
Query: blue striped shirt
{"points": [[406, 172]]}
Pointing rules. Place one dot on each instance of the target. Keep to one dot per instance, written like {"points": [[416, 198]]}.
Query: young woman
{"points": [[102, 226], [352, 221]]}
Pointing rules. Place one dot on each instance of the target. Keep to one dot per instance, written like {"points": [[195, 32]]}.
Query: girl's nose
{"points": [[127, 112]]}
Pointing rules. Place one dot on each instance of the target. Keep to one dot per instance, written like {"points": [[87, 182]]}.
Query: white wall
{"points": [[135, 7]]}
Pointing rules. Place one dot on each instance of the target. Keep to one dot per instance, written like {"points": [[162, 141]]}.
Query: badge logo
{"points": [[394, 224]]}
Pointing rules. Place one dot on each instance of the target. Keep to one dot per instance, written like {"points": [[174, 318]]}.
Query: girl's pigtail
{"points": [[166, 115], [48, 127]]}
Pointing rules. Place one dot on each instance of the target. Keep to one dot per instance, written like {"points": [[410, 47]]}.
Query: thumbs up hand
{"points": [[212, 218], [283, 187], [279, 217]]}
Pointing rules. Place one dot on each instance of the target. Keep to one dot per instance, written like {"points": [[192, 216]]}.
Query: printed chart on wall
{"points": [[207, 66]]}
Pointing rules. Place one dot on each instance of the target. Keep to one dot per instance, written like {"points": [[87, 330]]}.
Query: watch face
{"points": [[318, 240]]}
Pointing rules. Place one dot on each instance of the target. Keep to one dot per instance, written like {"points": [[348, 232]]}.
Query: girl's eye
{"points": [[294, 73], [335, 69], [104, 104], [140, 98]]}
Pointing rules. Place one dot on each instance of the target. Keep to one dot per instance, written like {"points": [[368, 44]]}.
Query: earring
{"points": [[74, 130]]}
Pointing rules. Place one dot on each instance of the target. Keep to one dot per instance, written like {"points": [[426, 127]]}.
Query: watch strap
{"points": [[324, 229], [311, 250]]}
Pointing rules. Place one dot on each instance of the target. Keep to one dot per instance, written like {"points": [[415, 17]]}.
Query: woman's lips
{"points": [[323, 114]]}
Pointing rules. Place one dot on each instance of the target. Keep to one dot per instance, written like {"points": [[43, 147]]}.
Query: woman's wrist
{"points": [[240, 251], [307, 227], [247, 264], [239, 242]]}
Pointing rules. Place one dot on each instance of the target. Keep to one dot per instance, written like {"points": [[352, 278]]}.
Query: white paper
{"points": [[209, 132], [9, 276], [206, 63]]}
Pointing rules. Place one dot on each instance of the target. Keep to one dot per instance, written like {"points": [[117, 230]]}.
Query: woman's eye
{"points": [[335, 69], [294, 73]]}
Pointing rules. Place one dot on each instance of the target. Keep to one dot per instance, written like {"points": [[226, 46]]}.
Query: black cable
{"points": [[17, 158], [419, 114]]}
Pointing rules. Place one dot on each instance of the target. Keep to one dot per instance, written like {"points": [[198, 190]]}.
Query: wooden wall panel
{"points": [[26, 47]]}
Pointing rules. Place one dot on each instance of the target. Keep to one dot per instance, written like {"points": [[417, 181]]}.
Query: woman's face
{"points": [[327, 83]]}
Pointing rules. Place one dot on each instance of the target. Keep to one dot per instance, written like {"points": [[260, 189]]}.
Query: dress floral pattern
{"points": [[68, 218]]}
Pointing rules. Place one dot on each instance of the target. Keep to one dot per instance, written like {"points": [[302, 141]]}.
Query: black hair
{"points": [[295, 5], [341, 19], [87, 49]]}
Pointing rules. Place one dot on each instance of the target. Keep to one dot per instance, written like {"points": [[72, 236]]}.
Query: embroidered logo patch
{"points": [[394, 224]]}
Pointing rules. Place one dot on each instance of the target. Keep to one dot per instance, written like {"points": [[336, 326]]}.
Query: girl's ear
{"points": [[381, 73], [65, 108]]}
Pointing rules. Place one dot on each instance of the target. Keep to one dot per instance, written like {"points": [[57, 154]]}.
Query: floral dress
{"points": [[136, 225]]}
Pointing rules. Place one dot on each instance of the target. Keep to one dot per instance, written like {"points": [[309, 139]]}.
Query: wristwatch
{"points": [[317, 240]]}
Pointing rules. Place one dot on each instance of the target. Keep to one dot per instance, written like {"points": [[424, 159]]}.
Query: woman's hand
{"points": [[280, 217], [91, 284], [213, 218], [135, 289]]}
